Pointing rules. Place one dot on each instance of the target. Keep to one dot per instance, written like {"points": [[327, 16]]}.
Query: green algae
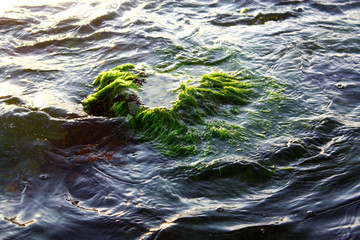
{"points": [[115, 92], [202, 114], [176, 56]]}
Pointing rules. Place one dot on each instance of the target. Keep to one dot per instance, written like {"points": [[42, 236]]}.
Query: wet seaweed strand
{"points": [[183, 128]]}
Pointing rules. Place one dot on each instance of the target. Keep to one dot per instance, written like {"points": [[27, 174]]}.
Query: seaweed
{"points": [[191, 124], [114, 95], [176, 56]]}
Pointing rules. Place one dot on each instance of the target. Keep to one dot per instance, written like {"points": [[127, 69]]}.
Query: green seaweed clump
{"points": [[176, 56], [199, 115], [115, 93]]}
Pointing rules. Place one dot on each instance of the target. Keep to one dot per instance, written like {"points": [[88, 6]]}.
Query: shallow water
{"points": [[66, 175]]}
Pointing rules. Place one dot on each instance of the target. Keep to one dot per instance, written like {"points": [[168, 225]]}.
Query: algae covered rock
{"points": [[115, 93], [201, 113]]}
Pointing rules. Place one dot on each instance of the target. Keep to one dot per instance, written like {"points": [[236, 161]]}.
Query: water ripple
{"points": [[65, 175]]}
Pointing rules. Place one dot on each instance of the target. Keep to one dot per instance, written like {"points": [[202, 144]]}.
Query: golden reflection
{"points": [[162, 226], [166, 224], [16, 222]]}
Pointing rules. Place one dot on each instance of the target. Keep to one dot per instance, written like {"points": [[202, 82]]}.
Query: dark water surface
{"points": [[66, 175]]}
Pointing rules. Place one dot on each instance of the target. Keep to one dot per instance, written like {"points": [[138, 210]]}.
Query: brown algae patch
{"points": [[202, 112]]}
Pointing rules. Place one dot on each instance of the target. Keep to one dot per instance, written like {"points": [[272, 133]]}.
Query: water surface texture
{"points": [[67, 175]]}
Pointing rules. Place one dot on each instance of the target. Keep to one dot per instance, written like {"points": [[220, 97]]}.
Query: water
{"points": [[66, 175]]}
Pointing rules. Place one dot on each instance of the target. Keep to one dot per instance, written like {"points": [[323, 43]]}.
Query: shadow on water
{"points": [[192, 228], [82, 173]]}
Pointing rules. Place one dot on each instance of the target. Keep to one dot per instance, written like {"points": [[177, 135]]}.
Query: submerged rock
{"points": [[114, 95], [261, 18]]}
